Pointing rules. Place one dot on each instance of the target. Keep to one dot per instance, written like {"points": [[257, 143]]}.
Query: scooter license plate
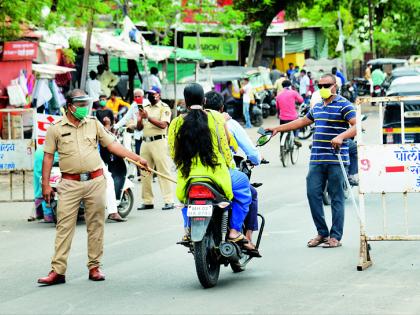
{"points": [[200, 210]]}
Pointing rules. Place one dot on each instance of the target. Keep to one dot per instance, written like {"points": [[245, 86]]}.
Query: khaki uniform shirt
{"points": [[77, 146], [368, 74], [159, 111], [278, 85]]}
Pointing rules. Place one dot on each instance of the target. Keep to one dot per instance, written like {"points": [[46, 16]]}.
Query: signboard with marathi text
{"points": [[391, 168], [16, 155], [43, 122], [20, 51], [217, 48]]}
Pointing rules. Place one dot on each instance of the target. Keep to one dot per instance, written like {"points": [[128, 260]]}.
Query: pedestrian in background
{"points": [[246, 91], [115, 103], [274, 74], [154, 121], [278, 86], [152, 80], [341, 78], [368, 76], [133, 114], [93, 88], [332, 118], [108, 80], [75, 137], [304, 83], [291, 71]]}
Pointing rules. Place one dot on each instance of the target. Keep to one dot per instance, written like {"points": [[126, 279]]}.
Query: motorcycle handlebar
{"points": [[263, 161]]}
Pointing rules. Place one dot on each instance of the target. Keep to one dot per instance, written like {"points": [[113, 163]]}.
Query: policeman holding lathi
{"points": [[76, 137]]}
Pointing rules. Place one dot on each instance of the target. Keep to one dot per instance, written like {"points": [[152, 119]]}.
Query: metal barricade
{"points": [[17, 147], [386, 168]]}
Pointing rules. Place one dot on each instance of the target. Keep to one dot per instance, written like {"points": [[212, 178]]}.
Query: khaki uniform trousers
{"points": [[70, 194], [157, 155]]}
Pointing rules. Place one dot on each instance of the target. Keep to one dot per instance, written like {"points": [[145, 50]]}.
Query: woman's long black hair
{"points": [[194, 140]]}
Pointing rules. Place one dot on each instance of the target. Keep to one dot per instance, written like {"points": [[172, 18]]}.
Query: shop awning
{"points": [[50, 69], [181, 53]]}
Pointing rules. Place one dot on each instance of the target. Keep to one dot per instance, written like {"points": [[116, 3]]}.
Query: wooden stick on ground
{"points": [[151, 170]]}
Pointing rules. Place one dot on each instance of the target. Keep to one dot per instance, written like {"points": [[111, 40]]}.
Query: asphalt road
{"points": [[147, 273]]}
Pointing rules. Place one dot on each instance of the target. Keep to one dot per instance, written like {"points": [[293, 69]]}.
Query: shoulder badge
{"points": [[57, 121]]}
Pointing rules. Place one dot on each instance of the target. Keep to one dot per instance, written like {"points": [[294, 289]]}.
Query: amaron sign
{"points": [[216, 48]]}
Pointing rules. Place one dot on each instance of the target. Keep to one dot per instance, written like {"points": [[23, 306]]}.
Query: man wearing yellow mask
{"points": [[335, 122]]}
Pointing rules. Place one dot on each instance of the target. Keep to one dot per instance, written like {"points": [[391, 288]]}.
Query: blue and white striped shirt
{"points": [[330, 120]]}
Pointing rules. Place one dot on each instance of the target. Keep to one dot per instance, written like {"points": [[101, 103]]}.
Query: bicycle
{"points": [[288, 147], [307, 131]]}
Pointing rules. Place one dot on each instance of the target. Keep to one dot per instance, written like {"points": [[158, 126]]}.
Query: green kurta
{"points": [[220, 175]]}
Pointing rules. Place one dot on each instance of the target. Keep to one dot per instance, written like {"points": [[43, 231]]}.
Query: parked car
{"points": [[403, 86], [401, 72]]}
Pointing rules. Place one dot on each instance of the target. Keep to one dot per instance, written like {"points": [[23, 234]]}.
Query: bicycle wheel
{"points": [[304, 133], [294, 152], [284, 150]]}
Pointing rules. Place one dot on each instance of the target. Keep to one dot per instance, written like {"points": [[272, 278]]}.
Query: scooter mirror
{"points": [[264, 139]]}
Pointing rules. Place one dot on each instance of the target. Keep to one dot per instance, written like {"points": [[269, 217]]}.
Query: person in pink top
{"points": [[286, 104]]}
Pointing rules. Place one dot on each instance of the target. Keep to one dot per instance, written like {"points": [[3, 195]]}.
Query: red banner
{"points": [[20, 51], [189, 14]]}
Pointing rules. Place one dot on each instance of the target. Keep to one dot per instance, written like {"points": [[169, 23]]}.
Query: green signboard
{"points": [[216, 48]]}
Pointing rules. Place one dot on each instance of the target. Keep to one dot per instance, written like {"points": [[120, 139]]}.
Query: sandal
{"points": [[240, 239], [185, 241], [317, 240], [332, 243]]}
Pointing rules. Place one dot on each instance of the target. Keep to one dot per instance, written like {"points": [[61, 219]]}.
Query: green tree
{"points": [[159, 16], [397, 27], [395, 23], [258, 15], [13, 13], [323, 13]]}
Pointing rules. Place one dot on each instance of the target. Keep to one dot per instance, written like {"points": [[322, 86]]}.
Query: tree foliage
{"points": [[324, 13], [395, 23], [159, 16], [49, 14], [258, 15]]}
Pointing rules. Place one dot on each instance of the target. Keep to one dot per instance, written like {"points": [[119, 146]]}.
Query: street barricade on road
{"points": [[17, 147], [386, 168]]}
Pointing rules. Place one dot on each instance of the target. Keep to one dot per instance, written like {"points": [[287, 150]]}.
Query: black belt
{"points": [[153, 138]]}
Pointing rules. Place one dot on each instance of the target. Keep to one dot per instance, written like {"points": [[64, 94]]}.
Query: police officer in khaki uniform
{"points": [[76, 139], [154, 121]]}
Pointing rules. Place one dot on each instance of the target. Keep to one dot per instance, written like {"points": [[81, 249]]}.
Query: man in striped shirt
{"points": [[332, 117]]}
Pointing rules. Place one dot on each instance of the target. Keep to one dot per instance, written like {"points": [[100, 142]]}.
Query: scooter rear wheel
{"points": [[206, 264]]}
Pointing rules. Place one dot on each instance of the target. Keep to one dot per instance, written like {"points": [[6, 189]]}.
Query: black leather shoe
{"points": [[145, 207], [168, 206]]}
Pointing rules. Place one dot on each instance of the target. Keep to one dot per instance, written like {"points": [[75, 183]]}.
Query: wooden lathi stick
{"points": [[148, 169]]}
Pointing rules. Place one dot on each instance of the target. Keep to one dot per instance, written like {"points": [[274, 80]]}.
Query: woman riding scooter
{"points": [[207, 155]]}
